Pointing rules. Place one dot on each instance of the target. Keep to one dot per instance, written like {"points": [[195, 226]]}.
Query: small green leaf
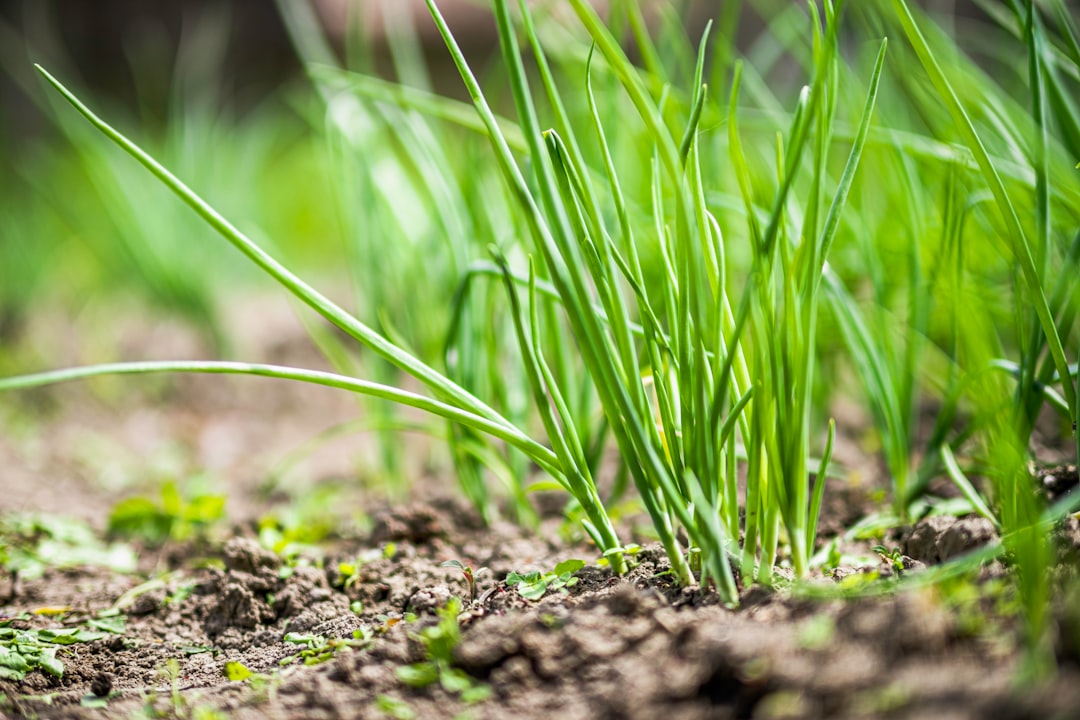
{"points": [[47, 661], [533, 590], [68, 636], [418, 675], [477, 693], [569, 567], [13, 661], [397, 709], [318, 658], [517, 578], [83, 635], [237, 671], [94, 702], [300, 639], [205, 509], [139, 516], [115, 625], [455, 681], [7, 673]]}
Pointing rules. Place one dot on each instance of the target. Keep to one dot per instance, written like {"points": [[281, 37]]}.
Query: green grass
{"points": [[99, 226], [675, 266]]}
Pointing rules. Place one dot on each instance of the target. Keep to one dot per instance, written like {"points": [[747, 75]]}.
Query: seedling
{"points": [[394, 708], [439, 642], [173, 518], [23, 651], [110, 621], [288, 542], [350, 572], [263, 685], [470, 577], [29, 544], [534, 585], [893, 558], [627, 551], [236, 671], [318, 649], [178, 705]]}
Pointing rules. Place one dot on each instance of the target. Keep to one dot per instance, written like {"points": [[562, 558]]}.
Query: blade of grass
{"points": [[965, 487], [307, 294], [402, 96], [537, 452], [1017, 237]]}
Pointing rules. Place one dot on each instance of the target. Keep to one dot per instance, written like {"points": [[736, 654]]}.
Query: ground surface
{"points": [[605, 647]]}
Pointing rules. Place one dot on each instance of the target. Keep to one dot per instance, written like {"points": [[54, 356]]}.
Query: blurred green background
{"points": [[215, 91]]}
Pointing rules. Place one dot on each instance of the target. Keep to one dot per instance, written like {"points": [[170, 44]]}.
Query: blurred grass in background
{"points": [[81, 225], [388, 188]]}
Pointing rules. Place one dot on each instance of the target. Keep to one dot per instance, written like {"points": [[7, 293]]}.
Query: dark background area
{"points": [[126, 52]]}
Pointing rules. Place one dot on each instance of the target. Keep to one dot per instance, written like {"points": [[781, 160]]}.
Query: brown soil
{"points": [[607, 647]]}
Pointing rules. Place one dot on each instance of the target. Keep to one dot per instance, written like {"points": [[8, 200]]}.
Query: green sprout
{"points": [[32, 543], [439, 641], [318, 649], [24, 650], [263, 685], [468, 574], [175, 517], [534, 585], [894, 558], [394, 707]]}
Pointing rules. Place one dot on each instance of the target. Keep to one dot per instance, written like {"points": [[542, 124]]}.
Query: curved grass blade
{"points": [[1017, 237], [534, 450], [561, 432], [426, 103], [964, 485], [821, 473], [699, 98], [439, 384], [832, 220]]}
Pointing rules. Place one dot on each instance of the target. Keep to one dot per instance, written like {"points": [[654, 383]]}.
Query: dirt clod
{"points": [[939, 538], [247, 556], [147, 603], [417, 523], [429, 600], [102, 684], [1058, 481]]}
